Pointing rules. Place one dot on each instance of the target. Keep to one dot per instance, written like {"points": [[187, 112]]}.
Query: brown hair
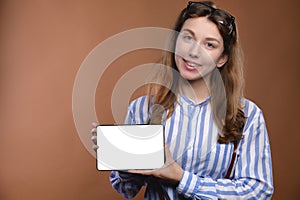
{"points": [[226, 106]]}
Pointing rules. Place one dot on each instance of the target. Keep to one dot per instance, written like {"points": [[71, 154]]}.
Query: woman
{"points": [[217, 143]]}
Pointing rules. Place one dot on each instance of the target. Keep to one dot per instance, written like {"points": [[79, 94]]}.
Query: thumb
{"points": [[169, 158]]}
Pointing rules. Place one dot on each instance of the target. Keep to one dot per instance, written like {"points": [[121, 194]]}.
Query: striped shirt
{"points": [[192, 138]]}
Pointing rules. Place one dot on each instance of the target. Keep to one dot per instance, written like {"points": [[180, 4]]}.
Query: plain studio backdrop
{"points": [[44, 42]]}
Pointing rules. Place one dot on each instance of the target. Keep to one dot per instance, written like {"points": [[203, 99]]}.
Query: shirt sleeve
{"points": [[128, 184], [251, 177]]}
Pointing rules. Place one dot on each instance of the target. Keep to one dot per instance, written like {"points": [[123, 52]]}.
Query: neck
{"points": [[196, 90]]}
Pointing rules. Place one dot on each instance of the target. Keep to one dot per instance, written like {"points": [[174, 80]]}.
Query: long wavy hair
{"points": [[226, 101]]}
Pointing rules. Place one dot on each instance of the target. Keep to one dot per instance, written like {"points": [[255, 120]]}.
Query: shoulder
{"points": [[250, 108], [138, 103], [253, 113], [138, 112], [139, 107]]}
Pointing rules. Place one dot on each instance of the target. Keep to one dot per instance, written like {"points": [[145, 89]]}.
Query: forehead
{"points": [[202, 27]]}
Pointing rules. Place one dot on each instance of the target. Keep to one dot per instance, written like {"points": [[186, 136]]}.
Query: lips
{"points": [[191, 66]]}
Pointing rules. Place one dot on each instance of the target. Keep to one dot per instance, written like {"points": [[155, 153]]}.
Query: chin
{"points": [[190, 77]]}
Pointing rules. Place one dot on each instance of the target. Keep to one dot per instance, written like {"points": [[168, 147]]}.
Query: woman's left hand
{"points": [[170, 171]]}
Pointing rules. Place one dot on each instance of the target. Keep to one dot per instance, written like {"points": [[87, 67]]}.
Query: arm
{"points": [[128, 184], [252, 178]]}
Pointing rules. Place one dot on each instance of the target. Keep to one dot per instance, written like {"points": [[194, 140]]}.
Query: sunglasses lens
{"points": [[226, 19]]}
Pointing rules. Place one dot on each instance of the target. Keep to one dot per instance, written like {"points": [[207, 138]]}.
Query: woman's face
{"points": [[199, 49]]}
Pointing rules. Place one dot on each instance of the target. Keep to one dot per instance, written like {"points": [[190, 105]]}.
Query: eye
{"points": [[187, 38], [210, 45]]}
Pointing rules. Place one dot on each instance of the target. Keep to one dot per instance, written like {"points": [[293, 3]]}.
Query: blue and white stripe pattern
{"points": [[192, 138]]}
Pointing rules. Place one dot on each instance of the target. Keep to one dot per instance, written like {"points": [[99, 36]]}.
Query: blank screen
{"points": [[126, 147]]}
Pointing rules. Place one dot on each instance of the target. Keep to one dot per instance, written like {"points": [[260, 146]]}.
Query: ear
{"points": [[222, 60]]}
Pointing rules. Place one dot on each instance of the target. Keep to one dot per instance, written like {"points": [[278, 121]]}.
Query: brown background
{"points": [[42, 45]]}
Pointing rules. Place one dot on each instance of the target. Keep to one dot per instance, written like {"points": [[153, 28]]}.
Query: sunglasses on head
{"points": [[226, 18]]}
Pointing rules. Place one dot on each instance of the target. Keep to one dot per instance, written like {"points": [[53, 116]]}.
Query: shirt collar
{"points": [[182, 99]]}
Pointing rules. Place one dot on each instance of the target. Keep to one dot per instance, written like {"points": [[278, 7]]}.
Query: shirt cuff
{"points": [[188, 184], [126, 176]]}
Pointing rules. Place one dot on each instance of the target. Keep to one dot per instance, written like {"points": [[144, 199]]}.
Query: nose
{"points": [[194, 50]]}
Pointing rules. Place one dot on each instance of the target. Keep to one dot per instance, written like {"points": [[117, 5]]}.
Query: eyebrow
{"points": [[208, 38], [213, 39], [190, 31]]}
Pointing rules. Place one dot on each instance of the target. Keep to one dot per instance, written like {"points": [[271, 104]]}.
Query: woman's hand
{"points": [[170, 171], [94, 136]]}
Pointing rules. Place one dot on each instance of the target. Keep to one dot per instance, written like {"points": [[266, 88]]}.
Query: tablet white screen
{"points": [[126, 147]]}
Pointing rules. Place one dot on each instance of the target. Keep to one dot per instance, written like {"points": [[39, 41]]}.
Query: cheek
{"points": [[216, 55], [181, 48], [177, 60], [210, 58]]}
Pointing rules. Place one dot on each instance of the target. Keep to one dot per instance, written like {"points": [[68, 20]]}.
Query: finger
{"points": [[169, 159], [95, 147], [167, 150], [94, 131], [168, 153], [94, 124], [94, 139], [142, 172]]}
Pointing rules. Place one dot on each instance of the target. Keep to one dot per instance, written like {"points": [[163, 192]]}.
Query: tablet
{"points": [[124, 147]]}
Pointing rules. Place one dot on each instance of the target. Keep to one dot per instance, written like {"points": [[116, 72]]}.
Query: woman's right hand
{"points": [[94, 136]]}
